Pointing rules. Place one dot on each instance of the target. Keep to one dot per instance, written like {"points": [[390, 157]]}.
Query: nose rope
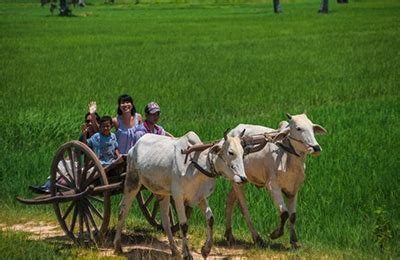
{"points": [[212, 173], [210, 161], [289, 149], [299, 141]]}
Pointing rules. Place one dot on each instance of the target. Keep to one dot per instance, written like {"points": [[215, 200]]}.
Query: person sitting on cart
{"points": [[126, 122], [88, 128], [152, 113], [92, 122], [104, 143]]}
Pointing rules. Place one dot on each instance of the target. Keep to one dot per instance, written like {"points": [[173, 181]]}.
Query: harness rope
{"points": [[213, 173], [288, 149]]}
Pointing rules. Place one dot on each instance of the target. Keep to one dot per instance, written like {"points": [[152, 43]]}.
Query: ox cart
{"points": [[81, 190]]}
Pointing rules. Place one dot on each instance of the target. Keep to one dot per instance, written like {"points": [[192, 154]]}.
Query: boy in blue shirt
{"points": [[104, 143]]}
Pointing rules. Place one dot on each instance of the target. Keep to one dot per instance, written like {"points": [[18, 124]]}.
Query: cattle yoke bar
{"points": [[251, 144]]}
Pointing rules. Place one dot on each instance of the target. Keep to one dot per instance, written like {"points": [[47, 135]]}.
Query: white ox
{"points": [[279, 167], [157, 163]]}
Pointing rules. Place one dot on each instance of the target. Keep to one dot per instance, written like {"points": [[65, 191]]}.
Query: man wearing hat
{"points": [[152, 114]]}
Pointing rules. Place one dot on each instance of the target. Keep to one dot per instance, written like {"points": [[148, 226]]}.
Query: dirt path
{"points": [[138, 245]]}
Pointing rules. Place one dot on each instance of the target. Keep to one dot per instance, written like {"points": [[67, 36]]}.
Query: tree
{"points": [[277, 6], [324, 7], [64, 10]]}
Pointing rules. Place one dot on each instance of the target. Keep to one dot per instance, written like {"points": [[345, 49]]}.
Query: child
{"points": [[152, 112], [104, 143]]}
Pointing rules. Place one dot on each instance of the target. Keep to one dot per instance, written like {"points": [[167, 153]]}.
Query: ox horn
{"points": [[242, 133], [289, 116], [226, 134]]}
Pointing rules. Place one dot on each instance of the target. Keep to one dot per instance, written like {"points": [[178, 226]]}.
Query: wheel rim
{"points": [[150, 207], [75, 167]]}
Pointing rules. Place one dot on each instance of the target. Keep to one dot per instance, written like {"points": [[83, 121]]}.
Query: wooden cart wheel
{"points": [[149, 205], [75, 167]]}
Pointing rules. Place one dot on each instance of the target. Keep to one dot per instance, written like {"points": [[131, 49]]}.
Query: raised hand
{"points": [[92, 107]]}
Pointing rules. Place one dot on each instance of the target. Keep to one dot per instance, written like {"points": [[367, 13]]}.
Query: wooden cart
{"points": [[81, 190]]}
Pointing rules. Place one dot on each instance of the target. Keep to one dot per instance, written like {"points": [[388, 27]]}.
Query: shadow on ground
{"points": [[140, 244], [242, 244]]}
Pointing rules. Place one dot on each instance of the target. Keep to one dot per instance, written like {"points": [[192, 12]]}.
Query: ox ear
{"points": [[282, 125], [281, 135], [226, 134], [289, 116], [319, 129]]}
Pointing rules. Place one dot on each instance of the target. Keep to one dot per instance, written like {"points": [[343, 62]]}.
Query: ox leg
{"points": [[180, 209], [165, 221], [230, 203], [205, 208], [292, 202], [132, 187], [280, 204], [240, 194]]}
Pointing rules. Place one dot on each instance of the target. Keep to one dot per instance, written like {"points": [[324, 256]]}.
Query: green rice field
{"points": [[210, 66]]}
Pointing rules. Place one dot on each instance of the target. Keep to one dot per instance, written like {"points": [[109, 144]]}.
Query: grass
{"points": [[23, 248], [212, 66]]}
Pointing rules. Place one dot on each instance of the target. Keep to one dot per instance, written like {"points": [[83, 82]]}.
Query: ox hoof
{"points": [[188, 257], [259, 242], [118, 250], [175, 253], [277, 233], [230, 239], [205, 251], [295, 245]]}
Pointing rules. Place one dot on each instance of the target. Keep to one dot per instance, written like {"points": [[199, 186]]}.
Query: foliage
{"points": [[17, 246], [382, 229]]}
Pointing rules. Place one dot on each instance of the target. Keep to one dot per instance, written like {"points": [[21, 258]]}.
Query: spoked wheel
{"points": [[74, 169], [150, 207]]}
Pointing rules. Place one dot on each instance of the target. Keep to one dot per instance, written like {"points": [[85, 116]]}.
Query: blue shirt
{"points": [[104, 147]]}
